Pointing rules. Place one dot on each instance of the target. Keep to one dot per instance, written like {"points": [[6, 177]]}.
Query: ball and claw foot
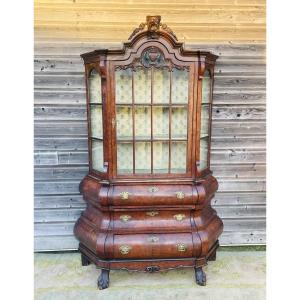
{"points": [[103, 279], [84, 260], [200, 276]]}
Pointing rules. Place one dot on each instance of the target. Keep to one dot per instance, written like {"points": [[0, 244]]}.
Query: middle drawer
{"points": [[152, 220]]}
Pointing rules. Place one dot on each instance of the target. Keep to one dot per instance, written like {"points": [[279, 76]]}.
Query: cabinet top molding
{"points": [[150, 32]]}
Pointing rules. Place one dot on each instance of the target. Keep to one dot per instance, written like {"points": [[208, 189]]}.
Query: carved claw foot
{"points": [[84, 260], [200, 276], [103, 279]]}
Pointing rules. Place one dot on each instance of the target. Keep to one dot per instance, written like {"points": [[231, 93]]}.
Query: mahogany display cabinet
{"points": [[149, 186]]}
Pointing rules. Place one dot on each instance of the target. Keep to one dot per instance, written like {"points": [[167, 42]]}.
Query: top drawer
{"points": [[153, 195]]}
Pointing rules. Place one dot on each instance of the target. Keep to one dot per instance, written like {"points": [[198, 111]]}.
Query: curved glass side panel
{"points": [[205, 120], [96, 124]]}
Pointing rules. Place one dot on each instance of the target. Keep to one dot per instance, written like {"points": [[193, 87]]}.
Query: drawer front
{"points": [[152, 220], [132, 195], [144, 246]]}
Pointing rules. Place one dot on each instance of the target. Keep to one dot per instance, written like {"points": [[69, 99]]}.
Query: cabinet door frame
{"points": [[186, 62]]}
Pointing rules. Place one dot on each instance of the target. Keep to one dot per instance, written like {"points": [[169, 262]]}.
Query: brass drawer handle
{"points": [[124, 249], [181, 247], [153, 239], [179, 217], [125, 218], [152, 213], [124, 195], [180, 194], [153, 189]]}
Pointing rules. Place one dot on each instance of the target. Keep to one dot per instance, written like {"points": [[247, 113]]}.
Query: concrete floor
{"points": [[234, 275]]}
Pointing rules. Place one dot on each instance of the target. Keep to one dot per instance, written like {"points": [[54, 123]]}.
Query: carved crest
{"points": [[152, 57], [153, 27]]}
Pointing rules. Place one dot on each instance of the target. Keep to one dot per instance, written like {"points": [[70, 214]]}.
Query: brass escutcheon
{"points": [[181, 247], [125, 218], [153, 189], [153, 239], [180, 195], [124, 249], [124, 195], [152, 213], [179, 217]]}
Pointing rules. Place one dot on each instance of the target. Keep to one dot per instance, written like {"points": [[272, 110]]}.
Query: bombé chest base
{"points": [[147, 227]]}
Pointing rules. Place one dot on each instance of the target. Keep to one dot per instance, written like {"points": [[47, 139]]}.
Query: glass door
{"points": [[151, 120]]}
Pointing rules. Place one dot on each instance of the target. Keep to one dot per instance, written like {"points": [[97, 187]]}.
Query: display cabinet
{"points": [[149, 186]]}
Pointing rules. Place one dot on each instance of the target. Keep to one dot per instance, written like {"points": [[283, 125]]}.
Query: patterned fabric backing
{"points": [[123, 79], [142, 85], [180, 86], [141, 79]]}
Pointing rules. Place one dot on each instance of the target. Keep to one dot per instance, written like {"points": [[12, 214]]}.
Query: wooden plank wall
{"points": [[233, 29]]}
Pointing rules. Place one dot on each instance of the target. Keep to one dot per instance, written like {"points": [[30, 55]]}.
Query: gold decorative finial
{"points": [[153, 27]]}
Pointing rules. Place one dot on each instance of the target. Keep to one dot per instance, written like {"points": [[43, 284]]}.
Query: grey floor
{"points": [[234, 275]]}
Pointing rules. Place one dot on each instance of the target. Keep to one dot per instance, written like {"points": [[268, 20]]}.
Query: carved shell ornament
{"points": [[153, 26]]}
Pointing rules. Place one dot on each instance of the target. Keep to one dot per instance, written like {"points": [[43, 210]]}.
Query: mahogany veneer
{"points": [[149, 219]]}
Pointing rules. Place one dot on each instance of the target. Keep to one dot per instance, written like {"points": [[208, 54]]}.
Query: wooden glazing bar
{"points": [[133, 121], [148, 140], [170, 120], [152, 120]]}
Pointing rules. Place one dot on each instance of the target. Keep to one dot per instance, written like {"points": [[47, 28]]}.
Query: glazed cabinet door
{"points": [[153, 114]]}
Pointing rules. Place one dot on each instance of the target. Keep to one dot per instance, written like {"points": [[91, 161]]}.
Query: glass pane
{"points": [[205, 112], [179, 123], [161, 122], [160, 157], [123, 80], [143, 157], [142, 85], [161, 86], [124, 122], [206, 88], [180, 86], [95, 87], [178, 157], [96, 121], [203, 153], [97, 155], [124, 158], [142, 122]]}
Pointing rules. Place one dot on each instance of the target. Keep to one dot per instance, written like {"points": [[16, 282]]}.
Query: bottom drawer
{"points": [[142, 246]]}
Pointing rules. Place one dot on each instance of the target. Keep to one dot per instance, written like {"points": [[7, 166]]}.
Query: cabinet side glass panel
{"points": [[96, 122], [205, 120]]}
